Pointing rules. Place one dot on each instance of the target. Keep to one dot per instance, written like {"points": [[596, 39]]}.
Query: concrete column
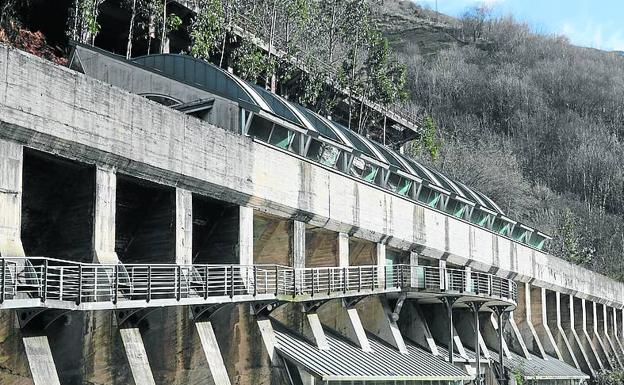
{"points": [[104, 216], [442, 266], [615, 351], [183, 227], [355, 331], [616, 334], [516, 341], [313, 330], [577, 344], [524, 320], [540, 320], [379, 319], [245, 236], [37, 347], [11, 165], [212, 352], [414, 270], [586, 338], [414, 326], [468, 285], [381, 264], [554, 319], [137, 356], [298, 244], [343, 250], [604, 351], [268, 338]]}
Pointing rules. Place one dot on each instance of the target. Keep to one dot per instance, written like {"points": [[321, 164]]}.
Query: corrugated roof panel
{"points": [[344, 360], [539, 368]]}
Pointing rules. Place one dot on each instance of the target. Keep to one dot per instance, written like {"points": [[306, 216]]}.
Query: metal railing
{"points": [[53, 282]]}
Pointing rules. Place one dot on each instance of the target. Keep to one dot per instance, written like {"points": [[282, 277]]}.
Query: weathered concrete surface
{"points": [[83, 119], [137, 356], [212, 352], [11, 164], [40, 359], [104, 216]]}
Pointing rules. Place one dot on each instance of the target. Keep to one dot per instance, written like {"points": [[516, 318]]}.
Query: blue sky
{"points": [[596, 24]]}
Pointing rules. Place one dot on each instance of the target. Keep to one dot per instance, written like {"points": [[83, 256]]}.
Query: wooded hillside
{"points": [[531, 120]]}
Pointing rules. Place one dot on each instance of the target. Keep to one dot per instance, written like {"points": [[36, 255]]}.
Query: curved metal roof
{"points": [[203, 75]]}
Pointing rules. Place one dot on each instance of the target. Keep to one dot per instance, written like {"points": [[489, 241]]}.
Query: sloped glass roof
{"points": [[201, 74]]}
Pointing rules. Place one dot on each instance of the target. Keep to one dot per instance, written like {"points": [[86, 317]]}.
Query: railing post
{"points": [[255, 280], [44, 294], [205, 282], [116, 293], [276, 280], [79, 299], [313, 274], [179, 276], [149, 283], [294, 271], [3, 283], [331, 282], [61, 283], [345, 274], [359, 278], [231, 281]]}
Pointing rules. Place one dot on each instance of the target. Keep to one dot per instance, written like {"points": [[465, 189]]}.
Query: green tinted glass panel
{"points": [[281, 137]]}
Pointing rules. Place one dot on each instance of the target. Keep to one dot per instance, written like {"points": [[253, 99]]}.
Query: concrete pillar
{"points": [[381, 265], [605, 332], [313, 330], [604, 351], [414, 326], [268, 338], [183, 227], [245, 236], [137, 356], [515, 338], [343, 250], [355, 331], [584, 332], [104, 216], [379, 319], [578, 345], [212, 352], [540, 321], [298, 244], [413, 261], [616, 334], [442, 266], [37, 347], [468, 285], [11, 165], [554, 316], [524, 319]]}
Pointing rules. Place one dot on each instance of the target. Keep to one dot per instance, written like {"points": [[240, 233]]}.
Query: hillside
{"points": [[531, 120]]}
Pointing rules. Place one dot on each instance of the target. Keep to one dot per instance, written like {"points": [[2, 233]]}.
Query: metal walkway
{"points": [[58, 284]]}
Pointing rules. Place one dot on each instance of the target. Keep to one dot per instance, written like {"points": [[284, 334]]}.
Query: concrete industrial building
{"points": [[162, 221]]}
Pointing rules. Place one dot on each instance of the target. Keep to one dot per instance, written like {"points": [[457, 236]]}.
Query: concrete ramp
{"points": [[40, 360], [212, 353], [137, 357]]}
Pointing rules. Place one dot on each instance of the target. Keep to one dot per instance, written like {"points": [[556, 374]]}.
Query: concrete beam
{"points": [[604, 329], [540, 320], [378, 318], [515, 340], [42, 367], [183, 227], [137, 356], [212, 352], [313, 330], [413, 325], [11, 165], [104, 216], [268, 338]]}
